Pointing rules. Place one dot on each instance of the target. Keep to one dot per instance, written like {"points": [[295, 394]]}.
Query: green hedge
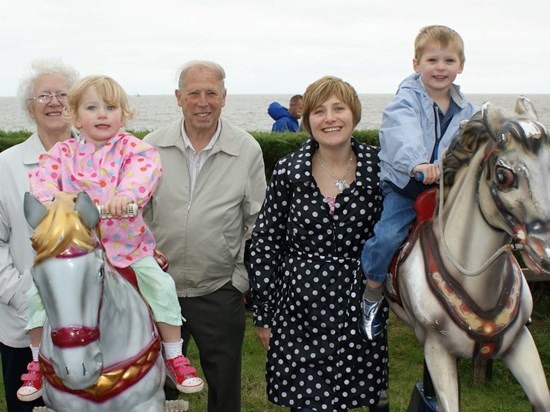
{"points": [[274, 145], [277, 145]]}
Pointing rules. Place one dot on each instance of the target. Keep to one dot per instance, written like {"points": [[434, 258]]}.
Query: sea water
{"points": [[249, 111]]}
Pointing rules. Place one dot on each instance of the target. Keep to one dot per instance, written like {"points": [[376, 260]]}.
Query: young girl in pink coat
{"points": [[115, 169]]}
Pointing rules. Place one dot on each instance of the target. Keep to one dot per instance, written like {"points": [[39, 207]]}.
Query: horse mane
{"points": [[529, 134], [60, 229], [469, 138]]}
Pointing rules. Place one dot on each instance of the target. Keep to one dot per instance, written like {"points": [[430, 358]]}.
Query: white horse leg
{"points": [[523, 360], [154, 404], [443, 371]]}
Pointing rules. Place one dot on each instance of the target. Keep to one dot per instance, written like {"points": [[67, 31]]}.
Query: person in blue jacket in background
{"points": [[286, 120]]}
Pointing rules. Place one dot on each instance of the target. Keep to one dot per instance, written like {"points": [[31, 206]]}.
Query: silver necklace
{"points": [[341, 183]]}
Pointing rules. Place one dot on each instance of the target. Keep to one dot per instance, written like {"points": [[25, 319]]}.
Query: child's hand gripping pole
{"points": [[131, 211]]}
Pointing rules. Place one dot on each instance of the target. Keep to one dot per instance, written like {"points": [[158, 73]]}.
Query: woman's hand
{"points": [[263, 335]]}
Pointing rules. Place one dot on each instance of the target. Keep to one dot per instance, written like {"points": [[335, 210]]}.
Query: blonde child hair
{"points": [[109, 90], [442, 35]]}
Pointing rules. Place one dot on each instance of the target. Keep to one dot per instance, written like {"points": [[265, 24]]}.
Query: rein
{"points": [[75, 336], [114, 379], [466, 272]]}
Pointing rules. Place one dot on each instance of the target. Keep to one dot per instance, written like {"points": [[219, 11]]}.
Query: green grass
{"points": [[502, 394]]}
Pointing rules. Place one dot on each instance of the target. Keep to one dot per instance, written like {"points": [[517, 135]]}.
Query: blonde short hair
{"points": [[442, 35], [109, 90], [321, 90]]}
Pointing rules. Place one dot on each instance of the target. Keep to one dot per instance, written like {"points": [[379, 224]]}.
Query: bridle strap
{"points": [[74, 336], [466, 272], [114, 379]]}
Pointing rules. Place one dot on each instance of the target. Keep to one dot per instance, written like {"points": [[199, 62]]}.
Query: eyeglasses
{"points": [[46, 97]]}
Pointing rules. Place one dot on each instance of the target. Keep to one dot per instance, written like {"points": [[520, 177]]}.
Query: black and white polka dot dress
{"points": [[306, 285]]}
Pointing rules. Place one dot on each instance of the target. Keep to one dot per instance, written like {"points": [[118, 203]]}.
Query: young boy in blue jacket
{"points": [[417, 126]]}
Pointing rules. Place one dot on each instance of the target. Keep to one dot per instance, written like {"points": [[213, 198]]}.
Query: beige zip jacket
{"points": [[16, 252], [203, 233]]}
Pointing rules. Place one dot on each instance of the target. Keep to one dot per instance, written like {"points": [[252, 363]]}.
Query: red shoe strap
{"points": [[31, 377], [187, 370], [33, 367]]}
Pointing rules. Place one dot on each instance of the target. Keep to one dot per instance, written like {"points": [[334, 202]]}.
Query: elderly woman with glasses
{"points": [[43, 94]]}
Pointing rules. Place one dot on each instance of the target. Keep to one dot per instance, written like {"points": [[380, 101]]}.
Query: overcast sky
{"points": [[278, 47]]}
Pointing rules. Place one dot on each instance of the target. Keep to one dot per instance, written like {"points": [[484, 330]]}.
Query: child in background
{"points": [[115, 169], [417, 126]]}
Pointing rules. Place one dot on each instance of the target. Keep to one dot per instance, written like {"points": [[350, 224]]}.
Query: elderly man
{"points": [[202, 212]]}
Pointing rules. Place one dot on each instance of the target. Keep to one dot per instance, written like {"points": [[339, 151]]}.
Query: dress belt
{"points": [[321, 258]]}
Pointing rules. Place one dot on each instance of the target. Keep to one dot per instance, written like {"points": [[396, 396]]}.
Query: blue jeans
{"points": [[389, 233]]}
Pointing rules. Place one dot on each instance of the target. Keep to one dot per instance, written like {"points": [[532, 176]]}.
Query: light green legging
{"points": [[156, 286]]}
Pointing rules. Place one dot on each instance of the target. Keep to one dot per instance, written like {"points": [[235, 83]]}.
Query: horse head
{"points": [[513, 190], [68, 274], [516, 180]]}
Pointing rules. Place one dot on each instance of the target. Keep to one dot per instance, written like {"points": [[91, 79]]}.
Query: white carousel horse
{"points": [[459, 284], [100, 351]]}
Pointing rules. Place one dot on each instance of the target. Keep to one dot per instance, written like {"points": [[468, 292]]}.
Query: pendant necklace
{"points": [[341, 183]]}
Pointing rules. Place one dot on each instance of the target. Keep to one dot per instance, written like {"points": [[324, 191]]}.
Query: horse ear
{"points": [[462, 125], [34, 210], [87, 210], [492, 119], [525, 107]]}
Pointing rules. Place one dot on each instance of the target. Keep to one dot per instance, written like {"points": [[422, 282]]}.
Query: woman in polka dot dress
{"points": [[305, 275], [115, 169]]}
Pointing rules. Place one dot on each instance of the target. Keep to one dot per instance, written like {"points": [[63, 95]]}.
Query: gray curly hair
{"points": [[40, 68]]}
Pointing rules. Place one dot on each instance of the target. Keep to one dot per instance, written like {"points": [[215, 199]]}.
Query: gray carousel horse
{"points": [[458, 283], [99, 350]]}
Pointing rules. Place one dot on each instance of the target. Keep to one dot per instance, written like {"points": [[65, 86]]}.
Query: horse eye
{"points": [[101, 272], [505, 178]]}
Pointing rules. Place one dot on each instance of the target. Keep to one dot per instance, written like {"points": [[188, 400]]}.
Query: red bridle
{"points": [[74, 336]]}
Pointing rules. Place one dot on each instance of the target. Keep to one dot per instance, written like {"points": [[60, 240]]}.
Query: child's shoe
{"points": [[370, 323], [183, 375], [32, 383]]}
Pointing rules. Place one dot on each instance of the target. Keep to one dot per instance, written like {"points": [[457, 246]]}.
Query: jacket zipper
{"points": [[436, 133]]}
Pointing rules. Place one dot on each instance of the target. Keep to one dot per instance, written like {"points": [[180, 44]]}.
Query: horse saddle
{"points": [[129, 275]]}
